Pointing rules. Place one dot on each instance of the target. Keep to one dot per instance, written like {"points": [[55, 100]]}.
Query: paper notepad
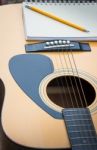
{"points": [[40, 27]]}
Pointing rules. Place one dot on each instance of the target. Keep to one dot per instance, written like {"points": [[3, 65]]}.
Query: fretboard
{"points": [[80, 128]]}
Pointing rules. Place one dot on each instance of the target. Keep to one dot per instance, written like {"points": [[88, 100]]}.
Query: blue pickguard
{"points": [[28, 70]]}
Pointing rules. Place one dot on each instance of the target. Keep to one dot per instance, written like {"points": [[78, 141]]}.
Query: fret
{"points": [[83, 134], [78, 125], [80, 129], [83, 137], [81, 122], [84, 144], [76, 111], [77, 116], [73, 119], [83, 131], [84, 147], [84, 141]]}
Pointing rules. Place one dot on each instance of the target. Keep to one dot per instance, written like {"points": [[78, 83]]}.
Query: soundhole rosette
{"points": [[56, 88]]}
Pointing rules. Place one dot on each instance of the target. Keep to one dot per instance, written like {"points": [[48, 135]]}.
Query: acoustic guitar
{"points": [[50, 96]]}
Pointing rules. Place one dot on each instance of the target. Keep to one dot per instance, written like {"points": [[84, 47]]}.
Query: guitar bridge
{"points": [[57, 46]]}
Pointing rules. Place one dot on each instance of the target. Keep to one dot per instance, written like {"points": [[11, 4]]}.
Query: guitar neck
{"points": [[80, 129]]}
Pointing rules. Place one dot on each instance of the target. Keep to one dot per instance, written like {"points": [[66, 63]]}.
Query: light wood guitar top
{"points": [[23, 121]]}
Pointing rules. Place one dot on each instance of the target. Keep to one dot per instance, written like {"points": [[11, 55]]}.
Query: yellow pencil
{"points": [[56, 18]]}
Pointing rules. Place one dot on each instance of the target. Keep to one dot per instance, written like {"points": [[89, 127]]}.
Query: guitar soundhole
{"points": [[70, 91]]}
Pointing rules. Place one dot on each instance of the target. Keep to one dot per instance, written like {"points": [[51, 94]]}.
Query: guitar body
{"points": [[31, 115]]}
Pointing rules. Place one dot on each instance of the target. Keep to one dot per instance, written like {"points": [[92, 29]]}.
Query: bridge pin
{"points": [[64, 42], [60, 42], [56, 42], [68, 42], [47, 43], [51, 43]]}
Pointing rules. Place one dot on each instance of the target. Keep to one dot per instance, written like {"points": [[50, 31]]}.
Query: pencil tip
{"points": [[27, 6], [86, 30]]}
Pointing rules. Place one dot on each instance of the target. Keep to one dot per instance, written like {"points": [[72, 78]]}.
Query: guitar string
{"points": [[66, 81], [66, 61], [79, 80], [70, 80], [76, 84], [59, 52], [80, 83], [68, 70], [72, 70], [74, 76], [59, 83], [76, 70], [71, 98], [70, 77]]}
